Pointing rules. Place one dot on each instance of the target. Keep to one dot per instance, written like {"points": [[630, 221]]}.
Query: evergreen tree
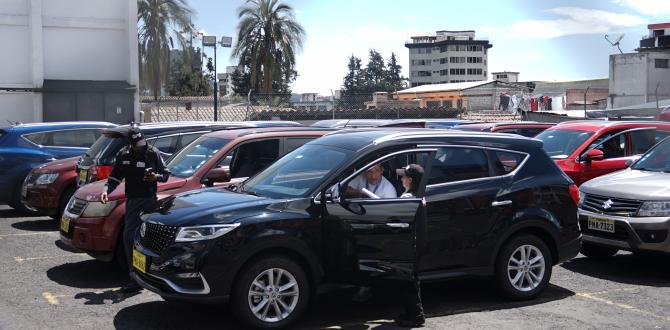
{"points": [[375, 73], [395, 80]]}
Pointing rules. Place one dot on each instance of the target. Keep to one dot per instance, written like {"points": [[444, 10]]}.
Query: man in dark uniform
{"points": [[141, 167]]}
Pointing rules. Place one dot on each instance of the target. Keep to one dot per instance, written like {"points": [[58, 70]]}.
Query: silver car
{"points": [[629, 209]]}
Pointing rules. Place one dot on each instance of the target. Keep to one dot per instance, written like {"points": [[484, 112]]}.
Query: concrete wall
{"points": [[63, 40], [633, 79]]}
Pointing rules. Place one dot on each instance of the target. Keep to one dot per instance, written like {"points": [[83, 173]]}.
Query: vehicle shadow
{"points": [[88, 274], [627, 268], [37, 225], [65, 247], [12, 213], [335, 308]]}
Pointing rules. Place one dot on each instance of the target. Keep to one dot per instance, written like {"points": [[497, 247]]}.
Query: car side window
{"points": [[188, 138], [383, 178], [43, 139], [505, 162], [660, 135], [166, 145], [293, 143], [83, 138], [641, 141], [615, 147], [456, 164], [252, 157]]}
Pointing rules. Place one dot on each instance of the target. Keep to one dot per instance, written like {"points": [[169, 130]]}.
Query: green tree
{"points": [[395, 80], [268, 38], [156, 20], [241, 81], [186, 76], [375, 73]]}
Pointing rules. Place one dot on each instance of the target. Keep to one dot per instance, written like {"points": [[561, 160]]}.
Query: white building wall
{"points": [[633, 79], [63, 40]]}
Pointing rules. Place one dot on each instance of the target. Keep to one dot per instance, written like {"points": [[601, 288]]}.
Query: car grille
{"points": [[157, 237], [618, 206], [76, 206]]}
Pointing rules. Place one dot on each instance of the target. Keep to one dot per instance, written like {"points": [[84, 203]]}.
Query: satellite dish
{"points": [[616, 41]]}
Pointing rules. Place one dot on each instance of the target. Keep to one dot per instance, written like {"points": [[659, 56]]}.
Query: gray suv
{"points": [[629, 209]]}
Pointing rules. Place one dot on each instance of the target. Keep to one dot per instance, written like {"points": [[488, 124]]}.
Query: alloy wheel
{"points": [[526, 268], [273, 295]]}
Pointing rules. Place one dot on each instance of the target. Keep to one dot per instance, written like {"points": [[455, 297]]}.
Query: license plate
{"points": [[82, 176], [65, 224], [139, 261], [598, 224]]}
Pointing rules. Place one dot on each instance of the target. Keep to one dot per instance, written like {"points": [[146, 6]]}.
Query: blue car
{"points": [[25, 146]]}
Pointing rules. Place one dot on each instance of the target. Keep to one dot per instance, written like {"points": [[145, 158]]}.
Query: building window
{"points": [[457, 72], [420, 62], [474, 60], [423, 73], [661, 63], [475, 48], [475, 71], [457, 59], [444, 72], [444, 60]]}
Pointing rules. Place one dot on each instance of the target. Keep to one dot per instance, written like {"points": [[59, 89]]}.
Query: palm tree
{"points": [[268, 37], [157, 19]]}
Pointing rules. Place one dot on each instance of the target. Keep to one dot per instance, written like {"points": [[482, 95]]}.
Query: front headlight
{"points": [[201, 233], [654, 209], [97, 209], [46, 178], [581, 197]]}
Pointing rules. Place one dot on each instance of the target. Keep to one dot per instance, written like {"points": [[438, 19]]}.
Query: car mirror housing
{"points": [[219, 174], [593, 155]]}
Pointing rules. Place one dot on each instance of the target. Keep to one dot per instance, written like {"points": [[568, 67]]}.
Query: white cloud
{"points": [[647, 7], [574, 21], [323, 63]]}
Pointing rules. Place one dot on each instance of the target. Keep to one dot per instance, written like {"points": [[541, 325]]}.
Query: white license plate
{"points": [[605, 225], [82, 176]]}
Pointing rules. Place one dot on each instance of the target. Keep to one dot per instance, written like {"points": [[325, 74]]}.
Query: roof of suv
{"points": [[596, 125], [50, 126], [278, 131], [154, 129], [488, 126], [358, 139]]}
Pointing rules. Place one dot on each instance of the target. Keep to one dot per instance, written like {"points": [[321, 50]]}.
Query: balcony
{"points": [[658, 42]]}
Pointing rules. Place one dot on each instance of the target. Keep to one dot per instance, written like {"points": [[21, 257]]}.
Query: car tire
{"points": [[62, 204], [523, 267], [291, 302], [597, 252]]}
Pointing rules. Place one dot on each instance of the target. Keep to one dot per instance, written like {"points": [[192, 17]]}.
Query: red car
{"points": [[50, 198], [217, 157], [588, 149], [665, 114], [523, 128]]}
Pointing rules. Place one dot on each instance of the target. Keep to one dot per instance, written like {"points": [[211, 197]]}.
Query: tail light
{"points": [[99, 172], [574, 193]]}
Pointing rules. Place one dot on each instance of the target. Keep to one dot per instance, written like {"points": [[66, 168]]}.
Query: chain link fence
{"points": [[304, 108]]}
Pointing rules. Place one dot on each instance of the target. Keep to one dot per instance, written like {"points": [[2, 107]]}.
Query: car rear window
{"points": [[104, 150], [561, 143]]}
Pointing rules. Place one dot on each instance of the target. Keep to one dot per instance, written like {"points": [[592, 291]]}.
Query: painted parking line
{"points": [[593, 297], [30, 234], [50, 298], [24, 259]]}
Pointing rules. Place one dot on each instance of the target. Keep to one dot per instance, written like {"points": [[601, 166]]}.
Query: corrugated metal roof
{"points": [[445, 87]]}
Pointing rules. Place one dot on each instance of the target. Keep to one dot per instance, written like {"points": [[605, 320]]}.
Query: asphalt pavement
{"points": [[45, 285]]}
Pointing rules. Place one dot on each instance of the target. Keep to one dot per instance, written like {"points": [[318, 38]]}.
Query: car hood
{"points": [[91, 192], [67, 164], [630, 184], [212, 206]]}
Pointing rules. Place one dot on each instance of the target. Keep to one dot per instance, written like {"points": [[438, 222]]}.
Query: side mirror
{"points": [[593, 154], [218, 174], [332, 195]]}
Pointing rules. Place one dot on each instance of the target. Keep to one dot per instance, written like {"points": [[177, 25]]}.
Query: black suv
{"points": [[487, 205]]}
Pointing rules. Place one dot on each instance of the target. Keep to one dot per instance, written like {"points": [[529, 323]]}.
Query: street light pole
{"points": [[587, 90], [216, 89]]}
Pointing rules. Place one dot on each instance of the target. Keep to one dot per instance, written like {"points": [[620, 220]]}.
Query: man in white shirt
{"points": [[373, 181]]}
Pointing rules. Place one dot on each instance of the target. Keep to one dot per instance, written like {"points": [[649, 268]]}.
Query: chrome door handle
{"points": [[398, 224], [501, 203]]}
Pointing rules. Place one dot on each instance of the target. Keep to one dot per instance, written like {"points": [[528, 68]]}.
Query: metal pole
{"points": [[216, 89], [586, 91], [658, 84]]}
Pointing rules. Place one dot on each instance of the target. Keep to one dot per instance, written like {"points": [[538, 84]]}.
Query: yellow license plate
{"points": [[82, 176], [64, 224], [598, 224], [139, 261]]}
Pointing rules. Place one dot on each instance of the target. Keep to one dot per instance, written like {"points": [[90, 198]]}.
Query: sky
{"points": [[543, 40]]}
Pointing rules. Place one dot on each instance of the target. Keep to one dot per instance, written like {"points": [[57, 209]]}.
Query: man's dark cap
{"points": [[135, 135]]}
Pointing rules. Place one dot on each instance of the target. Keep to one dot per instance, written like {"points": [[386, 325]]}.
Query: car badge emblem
{"points": [[143, 229], [607, 204]]}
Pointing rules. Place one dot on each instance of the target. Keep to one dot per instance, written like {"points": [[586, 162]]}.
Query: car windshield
{"points": [[657, 159], [105, 149], [194, 155], [561, 143], [298, 173]]}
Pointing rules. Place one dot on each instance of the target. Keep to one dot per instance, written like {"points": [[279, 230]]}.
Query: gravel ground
{"points": [[46, 286]]}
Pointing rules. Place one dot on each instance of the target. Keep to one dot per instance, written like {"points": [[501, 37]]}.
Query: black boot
{"points": [[410, 321]]}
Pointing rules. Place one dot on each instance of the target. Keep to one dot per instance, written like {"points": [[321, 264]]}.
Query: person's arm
{"points": [[116, 175], [161, 171]]}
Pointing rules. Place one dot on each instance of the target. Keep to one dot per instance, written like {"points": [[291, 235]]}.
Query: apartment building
{"points": [[447, 57]]}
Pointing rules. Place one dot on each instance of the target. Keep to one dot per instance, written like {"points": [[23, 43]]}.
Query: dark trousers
{"points": [[134, 208]]}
